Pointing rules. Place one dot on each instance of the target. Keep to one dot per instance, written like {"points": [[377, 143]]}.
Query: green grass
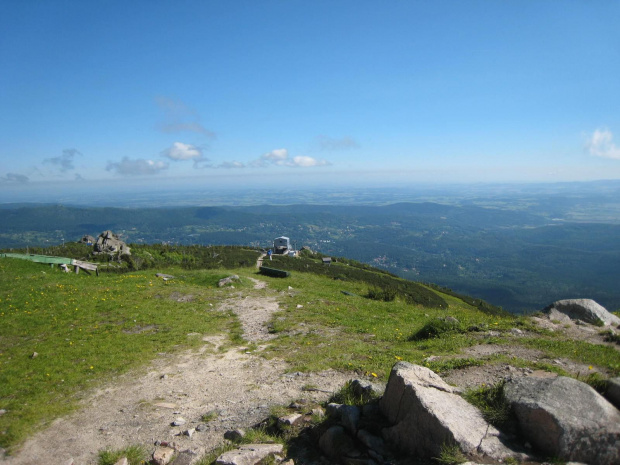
{"points": [[136, 455], [86, 329], [491, 403], [450, 454]]}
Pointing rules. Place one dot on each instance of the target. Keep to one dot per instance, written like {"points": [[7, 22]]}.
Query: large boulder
{"points": [[583, 309], [613, 391], [109, 243], [426, 413], [565, 418]]}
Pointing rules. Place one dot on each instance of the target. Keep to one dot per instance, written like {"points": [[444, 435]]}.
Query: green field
{"points": [[86, 330]]}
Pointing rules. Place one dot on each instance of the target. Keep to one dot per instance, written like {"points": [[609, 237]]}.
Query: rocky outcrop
{"points": [[109, 243], [565, 418], [427, 413], [583, 309], [87, 239]]}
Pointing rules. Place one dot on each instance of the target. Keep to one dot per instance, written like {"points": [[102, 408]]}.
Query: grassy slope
{"points": [[87, 330]]}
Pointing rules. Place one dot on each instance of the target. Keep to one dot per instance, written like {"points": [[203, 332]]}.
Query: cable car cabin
{"points": [[281, 245]]}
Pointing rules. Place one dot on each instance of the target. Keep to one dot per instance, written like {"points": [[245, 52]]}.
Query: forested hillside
{"points": [[519, 259]]}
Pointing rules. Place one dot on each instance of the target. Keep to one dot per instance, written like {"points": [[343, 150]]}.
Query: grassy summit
{"points": [[86, 330]]}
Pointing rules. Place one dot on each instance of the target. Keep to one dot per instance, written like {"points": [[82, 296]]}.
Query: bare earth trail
{"points": [[139, 409]]}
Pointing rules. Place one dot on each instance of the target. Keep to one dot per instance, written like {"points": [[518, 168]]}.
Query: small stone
{"points": [[202, 427], [162, 455], [34, 355], [290, 420], [122, 461], [2, 411], [179, 422], [163, 377], [189, 432], [318, 412], [300, 306]]}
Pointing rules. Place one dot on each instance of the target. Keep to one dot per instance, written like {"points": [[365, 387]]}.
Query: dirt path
{"points": [[139, 409]]}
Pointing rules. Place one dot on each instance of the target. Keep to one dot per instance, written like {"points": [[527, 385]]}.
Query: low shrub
{"points": [[436, 328]]}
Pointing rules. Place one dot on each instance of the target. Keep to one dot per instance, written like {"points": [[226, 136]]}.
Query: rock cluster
{"points": [[108, 242]]}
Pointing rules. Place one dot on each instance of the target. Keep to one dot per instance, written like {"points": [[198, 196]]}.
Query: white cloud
{"points": [[277, 156], [138, 167], [303, 161], [180, 151], [280, 157], [600, 144]]}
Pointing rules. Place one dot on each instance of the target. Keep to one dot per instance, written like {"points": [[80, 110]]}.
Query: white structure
{"points": [[281, 245]]}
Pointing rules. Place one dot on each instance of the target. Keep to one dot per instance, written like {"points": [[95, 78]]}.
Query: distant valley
{"points": [[517, 248]]}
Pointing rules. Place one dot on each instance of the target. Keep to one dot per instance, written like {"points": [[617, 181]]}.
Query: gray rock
{"points": [[426, 412], [122, 461], [109, 243], [228, 280], [335, 443], [350, 417], [202, 427], [566, 418], [371, 410], [584, 309], [184, 458], [249, 454], [371, 441], [234, 434], [189, 432], [556, 315], [333, 409], [179, 421], [613, 391], [366, 390], [290, 420], [163, 455]]}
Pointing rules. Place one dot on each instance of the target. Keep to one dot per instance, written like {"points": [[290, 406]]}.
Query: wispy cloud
{"points": [[601, 144], [63, 162], [332, 144], [137, 167], [230, 165], [178, 117], [15, 178], [280, 157]]}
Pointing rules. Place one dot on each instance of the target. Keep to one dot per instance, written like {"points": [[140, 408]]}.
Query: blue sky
{"points": [[238, 93]]}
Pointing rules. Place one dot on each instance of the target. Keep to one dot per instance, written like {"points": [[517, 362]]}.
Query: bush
{"points": [[436, 328]]}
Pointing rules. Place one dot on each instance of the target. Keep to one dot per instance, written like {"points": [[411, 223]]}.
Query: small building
{"points": [[327, 260], [281, 245]]}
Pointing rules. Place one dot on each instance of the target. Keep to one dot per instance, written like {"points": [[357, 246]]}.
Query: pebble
{"points": [[179, 421]]}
